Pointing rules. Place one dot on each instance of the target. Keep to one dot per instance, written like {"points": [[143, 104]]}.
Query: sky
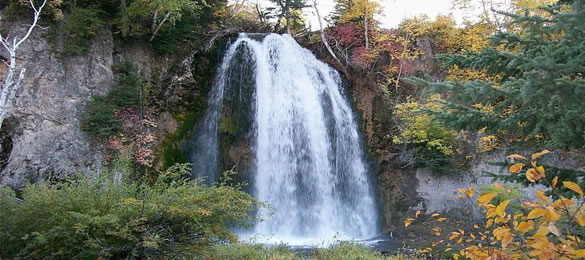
{"points": [[394, 10]]}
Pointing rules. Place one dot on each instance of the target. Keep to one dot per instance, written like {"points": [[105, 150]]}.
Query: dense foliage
{"points": [[76, 23], [433, 143], [539, 88], [111, 217], [101, 119]]}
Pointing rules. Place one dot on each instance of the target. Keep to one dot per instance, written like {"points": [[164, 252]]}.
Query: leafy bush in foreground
{"points": [[547, 228], [109, 218]]}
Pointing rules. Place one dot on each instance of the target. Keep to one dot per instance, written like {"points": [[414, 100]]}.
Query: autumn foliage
{"points": [[539, 229]]}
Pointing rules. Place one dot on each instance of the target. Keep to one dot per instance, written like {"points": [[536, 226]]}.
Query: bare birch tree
{"points": [[323, 38], [14, 76]]}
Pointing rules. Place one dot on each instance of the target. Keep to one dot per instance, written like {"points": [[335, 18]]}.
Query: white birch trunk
{"points": [[12, 84]]}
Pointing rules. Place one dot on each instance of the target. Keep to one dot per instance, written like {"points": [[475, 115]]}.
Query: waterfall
{"points": [[308, 162]]}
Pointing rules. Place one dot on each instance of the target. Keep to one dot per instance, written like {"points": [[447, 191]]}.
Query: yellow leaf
{"points": [[516, 168], [581, 219], [484, 199], [441, 219], [436, 231], [508, 237], [525, 226], [552, 214], [501, 209], [563, 203], [533, 175], [453, 235], [540, 170], [417, 213], [574, 187], [469, 192], [530, 175], [541, 233], [517, 156], [435, 215], [536, 155], [579, 253], [554, 181], [541, 196], [536, 213], [407, 222]]}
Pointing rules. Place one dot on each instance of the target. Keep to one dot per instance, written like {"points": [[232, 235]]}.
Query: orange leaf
{"points": [[530, 175], [407, 222], [536, 155], [484, 199], [541, 196], [534, 175], [516, 168], [574, 187]]}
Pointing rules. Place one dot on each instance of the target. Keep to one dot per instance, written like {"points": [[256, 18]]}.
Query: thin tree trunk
{"points": [[323, 38], [159, 25], [366, 29], [288, 21], [10, 83]]}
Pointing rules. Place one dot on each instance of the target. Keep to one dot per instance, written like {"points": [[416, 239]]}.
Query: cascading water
{"points": [[308, 163]]}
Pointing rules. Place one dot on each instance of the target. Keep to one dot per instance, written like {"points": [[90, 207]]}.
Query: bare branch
{"points": [[323, 33], [8, 92], [37, 16], [160, 25]]}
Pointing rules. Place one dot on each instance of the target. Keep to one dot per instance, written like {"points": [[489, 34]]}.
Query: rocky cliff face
{"points": [[42, 136], [42, 139]]}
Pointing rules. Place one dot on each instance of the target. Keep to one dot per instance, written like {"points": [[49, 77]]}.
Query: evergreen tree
{"points": [[289, 10], [537, 89]]}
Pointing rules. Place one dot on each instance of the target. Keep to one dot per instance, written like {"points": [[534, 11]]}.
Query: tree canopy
{"points": [[539, 89]]}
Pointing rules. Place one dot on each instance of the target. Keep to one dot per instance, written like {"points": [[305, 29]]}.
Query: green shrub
{"points": [[129, 85], [344, 250], [250, 252], [100, 119], [79, 28], [111, 218], [434, 144]]}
